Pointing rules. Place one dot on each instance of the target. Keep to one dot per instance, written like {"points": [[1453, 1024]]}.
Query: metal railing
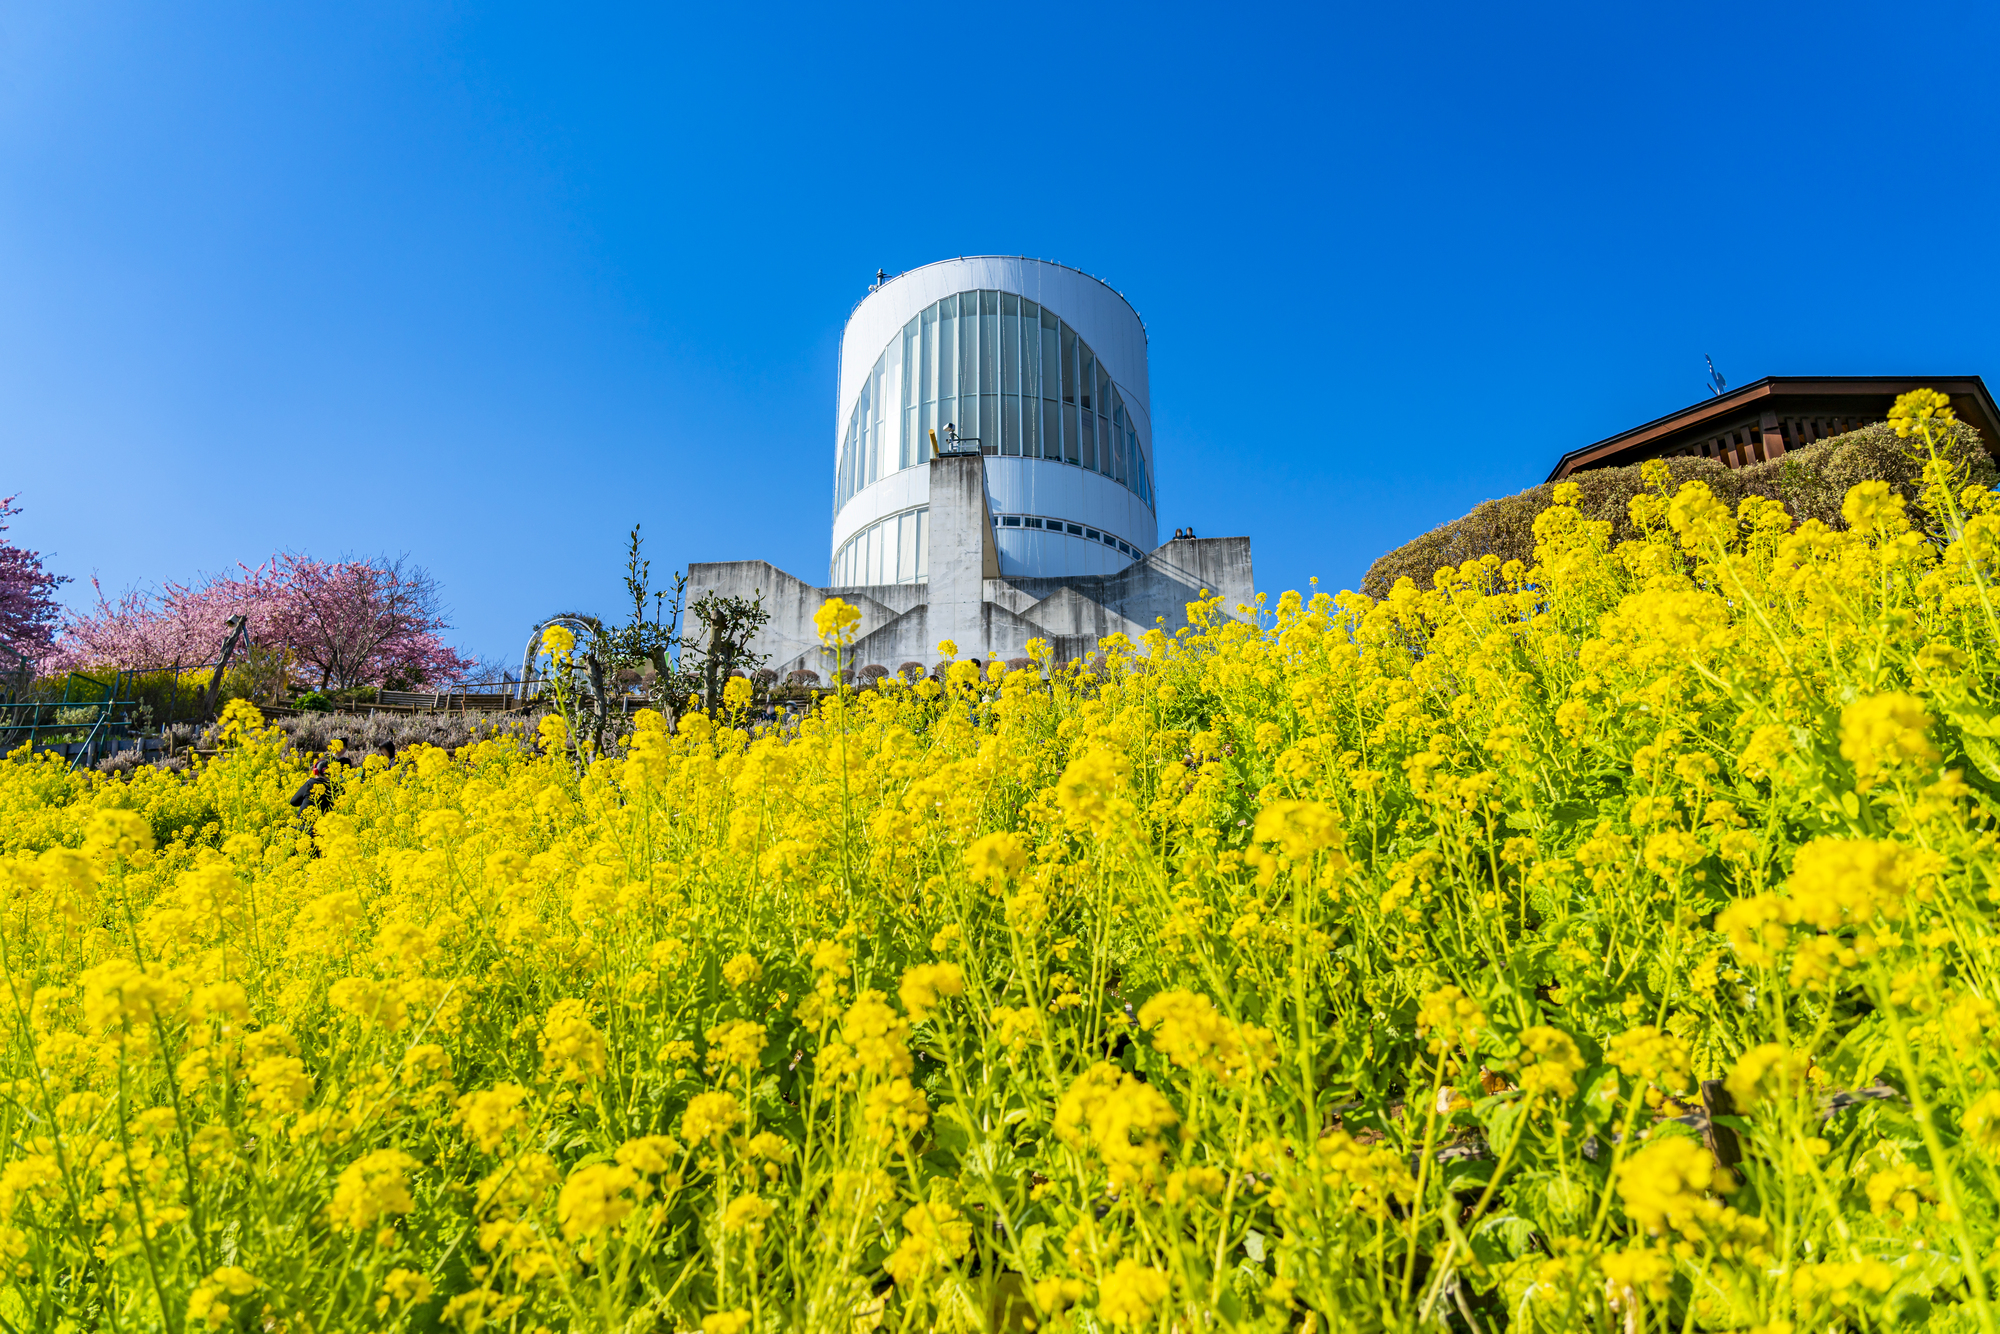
{"points": [[99, 715], [83, 728]]}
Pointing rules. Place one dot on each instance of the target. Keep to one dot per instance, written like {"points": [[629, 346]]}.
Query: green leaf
{"points": [[1984, 754], [1971, 719], [1600, 1097], [1502, 1238]]}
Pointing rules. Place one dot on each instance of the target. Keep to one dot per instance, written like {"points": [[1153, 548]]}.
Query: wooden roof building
{"points": [[1760, 421]]}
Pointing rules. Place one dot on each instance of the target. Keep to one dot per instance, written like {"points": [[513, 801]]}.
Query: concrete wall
{"points": [[904, 622], [1161, 585]]}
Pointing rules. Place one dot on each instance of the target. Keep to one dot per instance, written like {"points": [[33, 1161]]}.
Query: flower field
{"points": [[1356, 966]]}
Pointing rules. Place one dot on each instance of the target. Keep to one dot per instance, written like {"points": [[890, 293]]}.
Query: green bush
{"points": [[1811, 482]]}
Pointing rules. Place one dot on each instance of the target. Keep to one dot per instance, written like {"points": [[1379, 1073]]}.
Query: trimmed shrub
{"points": [[1810, 481]]}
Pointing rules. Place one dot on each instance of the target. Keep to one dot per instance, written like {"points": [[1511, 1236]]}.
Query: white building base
{"points": [[968, 601]]}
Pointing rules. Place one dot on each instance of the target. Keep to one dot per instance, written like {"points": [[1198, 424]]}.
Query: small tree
{"points": [[728, 625], [651, 643]]}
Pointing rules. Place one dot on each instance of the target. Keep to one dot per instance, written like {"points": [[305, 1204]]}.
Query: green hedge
{"points": [[1811, 481]]}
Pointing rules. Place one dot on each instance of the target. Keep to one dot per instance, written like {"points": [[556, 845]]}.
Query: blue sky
{"points": [[488, 284]]}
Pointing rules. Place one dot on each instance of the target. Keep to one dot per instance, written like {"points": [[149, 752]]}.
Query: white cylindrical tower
{"points": [[1046, 367]]}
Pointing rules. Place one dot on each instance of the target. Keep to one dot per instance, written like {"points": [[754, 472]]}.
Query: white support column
{"points": [[963, 555]]}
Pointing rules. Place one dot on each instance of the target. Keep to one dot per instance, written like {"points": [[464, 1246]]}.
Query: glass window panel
{"points": [[906, 377], [989, 350], [1031, 427], [1072, 447], [1010, 423], [923, 544], [1088, 438], [1051, 357], [1086, 375], [1010, 354], [1031, 353], [989, 423], [1068, 366], [846, 462], [1103, 389], [968, 356], [1052, 445], [927, 360], [989, 303], [926, 423], [947, 352], [878, 462], [1010, 304]]}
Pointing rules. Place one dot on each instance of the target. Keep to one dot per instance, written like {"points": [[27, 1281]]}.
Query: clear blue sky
{"points": [[488, 284]]}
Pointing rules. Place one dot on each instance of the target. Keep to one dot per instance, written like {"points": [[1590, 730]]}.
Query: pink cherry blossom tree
{"points": [[29, 613], [180, 624], [362, 622], [345, 623]]}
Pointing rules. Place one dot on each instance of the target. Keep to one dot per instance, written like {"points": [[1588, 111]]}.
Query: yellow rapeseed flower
{"points": [[595, 1199], [371, 1188], [1129, 1294], [837, 622], [1880, 732], [710, 1116]]}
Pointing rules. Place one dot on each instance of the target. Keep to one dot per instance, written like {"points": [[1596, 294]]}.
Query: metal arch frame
{"points": [[574, 619]]}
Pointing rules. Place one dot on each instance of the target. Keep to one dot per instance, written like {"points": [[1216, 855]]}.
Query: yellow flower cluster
{"points": [[1606, 943]]}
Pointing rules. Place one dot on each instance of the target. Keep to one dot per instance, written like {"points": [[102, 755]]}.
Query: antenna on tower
{"points": [[1716, 385]]}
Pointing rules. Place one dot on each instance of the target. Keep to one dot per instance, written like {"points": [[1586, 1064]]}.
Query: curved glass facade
{"points": [[1007, 373], [895, 550]]}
